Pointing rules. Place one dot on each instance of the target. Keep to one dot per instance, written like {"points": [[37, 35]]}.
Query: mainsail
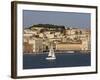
{"points": [[51, 54]]}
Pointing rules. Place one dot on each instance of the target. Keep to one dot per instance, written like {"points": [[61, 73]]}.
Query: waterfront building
{"points": [[37, 44], [27, 48], [68, 46], [83, 45], [34, 44]]}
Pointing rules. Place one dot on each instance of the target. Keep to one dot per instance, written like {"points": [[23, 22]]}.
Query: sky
{"points": [[69, 19]]}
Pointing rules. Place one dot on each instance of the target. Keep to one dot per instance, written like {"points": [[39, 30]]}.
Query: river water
{"points": [[31, 61]]}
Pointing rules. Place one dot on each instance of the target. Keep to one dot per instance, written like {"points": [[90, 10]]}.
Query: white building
{"points": [[41, 35], [28, 31]]}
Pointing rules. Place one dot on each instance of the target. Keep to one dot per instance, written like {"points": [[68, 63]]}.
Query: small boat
{"points": [[51, 55]]}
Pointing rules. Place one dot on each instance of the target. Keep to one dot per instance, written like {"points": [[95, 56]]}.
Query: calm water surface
{"points": [[31, 61]]}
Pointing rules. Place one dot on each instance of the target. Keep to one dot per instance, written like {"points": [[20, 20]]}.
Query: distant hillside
{"points": [[49, 27]]}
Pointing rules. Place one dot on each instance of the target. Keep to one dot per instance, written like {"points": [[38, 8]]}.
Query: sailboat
{"points": [[51, 55]]}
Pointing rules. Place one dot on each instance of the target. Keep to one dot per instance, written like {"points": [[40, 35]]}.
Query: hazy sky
{"points": [[77, 20]]}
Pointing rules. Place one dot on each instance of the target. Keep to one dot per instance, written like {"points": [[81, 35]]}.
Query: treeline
{"points": [[48, 26]]}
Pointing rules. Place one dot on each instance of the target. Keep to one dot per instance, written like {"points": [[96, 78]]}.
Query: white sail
{"points": [[51, 55]]}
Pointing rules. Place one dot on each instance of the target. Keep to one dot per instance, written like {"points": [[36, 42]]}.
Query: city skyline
{"points": [[68, 19]]}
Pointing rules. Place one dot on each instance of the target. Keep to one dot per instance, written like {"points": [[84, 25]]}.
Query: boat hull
{"points": [[50, 58]]}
